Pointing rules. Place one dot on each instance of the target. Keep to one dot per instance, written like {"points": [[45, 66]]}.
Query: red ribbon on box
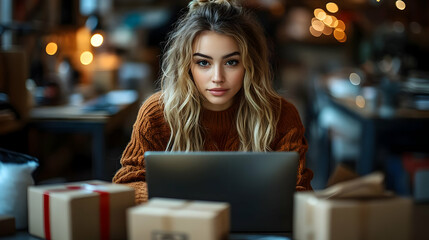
{"points": [[104, 209]]}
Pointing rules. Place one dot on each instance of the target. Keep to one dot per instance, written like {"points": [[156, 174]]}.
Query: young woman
{"points": [[216, 95]]}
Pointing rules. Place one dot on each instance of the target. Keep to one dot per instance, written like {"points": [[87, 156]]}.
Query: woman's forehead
{"points": [[213, 44]]}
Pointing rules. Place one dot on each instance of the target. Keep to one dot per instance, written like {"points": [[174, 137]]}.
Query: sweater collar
{"points": [[215, 118]]}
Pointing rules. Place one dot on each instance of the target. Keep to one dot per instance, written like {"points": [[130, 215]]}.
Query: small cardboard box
{"points": [[163, 218], [352, 210], [79, 210]]}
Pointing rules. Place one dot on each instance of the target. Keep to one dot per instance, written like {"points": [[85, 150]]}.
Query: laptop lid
{"points": [[258, 186]]}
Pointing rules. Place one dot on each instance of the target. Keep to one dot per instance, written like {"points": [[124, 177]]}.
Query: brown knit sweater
{"points": [[151, 133]]}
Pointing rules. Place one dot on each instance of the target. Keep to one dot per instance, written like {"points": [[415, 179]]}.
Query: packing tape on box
{"points": [[311, 204], [363, 220], [91, 187], [167, 225]]}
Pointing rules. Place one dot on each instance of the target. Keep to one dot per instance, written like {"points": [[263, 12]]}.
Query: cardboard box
{"points": [[163, 218], [79, 210], [353, 210]]}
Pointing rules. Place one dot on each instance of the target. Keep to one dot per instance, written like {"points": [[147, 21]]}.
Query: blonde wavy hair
{"points": [[258, 104]]}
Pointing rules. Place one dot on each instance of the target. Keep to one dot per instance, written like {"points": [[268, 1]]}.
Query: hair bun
{"points": [[194, 4]]}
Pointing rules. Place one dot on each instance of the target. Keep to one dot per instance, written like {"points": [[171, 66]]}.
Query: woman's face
{"points": [[217, 69]]}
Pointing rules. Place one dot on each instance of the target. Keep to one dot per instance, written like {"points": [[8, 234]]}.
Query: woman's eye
{"points": [[232, 62], [203, 63]]}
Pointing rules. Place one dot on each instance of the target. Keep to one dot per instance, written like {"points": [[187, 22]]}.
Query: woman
{"points": [[216, 95]]}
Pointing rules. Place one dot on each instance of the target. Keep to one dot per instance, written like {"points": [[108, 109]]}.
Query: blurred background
{"points": [[74, 73]]}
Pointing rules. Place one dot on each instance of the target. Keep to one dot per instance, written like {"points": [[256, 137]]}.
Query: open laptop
{"points": [[258, 186]]}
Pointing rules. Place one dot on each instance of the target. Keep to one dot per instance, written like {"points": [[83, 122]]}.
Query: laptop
{"points": [[258, 186]]}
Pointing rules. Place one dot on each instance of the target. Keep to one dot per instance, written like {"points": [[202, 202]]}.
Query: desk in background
{"points": [[405, 129], [367, 133], [97, 118]]}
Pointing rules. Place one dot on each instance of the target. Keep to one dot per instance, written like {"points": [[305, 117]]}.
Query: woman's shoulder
{"points": [[152, 104], [289, 115], [151, 111]]}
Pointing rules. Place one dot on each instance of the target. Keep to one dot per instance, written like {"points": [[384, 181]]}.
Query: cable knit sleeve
{"points": [[147, 135], [291, 138]]}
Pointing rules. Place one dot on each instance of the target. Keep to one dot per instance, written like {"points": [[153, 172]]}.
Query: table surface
{"points": [[420, 221], [98, 109], [377, 113], [347, 98]]}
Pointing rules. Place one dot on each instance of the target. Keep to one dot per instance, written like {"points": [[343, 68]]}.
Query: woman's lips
{"points": [[218, 91]]}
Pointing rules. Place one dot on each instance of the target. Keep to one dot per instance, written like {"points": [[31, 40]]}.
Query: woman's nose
{"points": [[218, 76]]}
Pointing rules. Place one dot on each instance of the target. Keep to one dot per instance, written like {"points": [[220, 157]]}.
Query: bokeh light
{"points": [[400, 5], [317, 24], [314, 32], [328, 20], [341, 25], [339, 34], [86, 58], [51, 48], [334, 23], [360, 101], [343, 40], [97, 40], [319, 14], [327, 24], [327, 31], [355, 78], [332, 7], [415, 27]]}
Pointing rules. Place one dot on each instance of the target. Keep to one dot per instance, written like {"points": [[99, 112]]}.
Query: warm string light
{"points": [[86, 58], [97, 40], [315, 32], [400, 4], [319, 14], [332, 7], [51, 48], [317, 25], [339, 34], [360, 101], [324, 23]]}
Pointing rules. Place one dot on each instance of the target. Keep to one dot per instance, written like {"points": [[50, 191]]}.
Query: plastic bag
{"points": [[15, 176]]}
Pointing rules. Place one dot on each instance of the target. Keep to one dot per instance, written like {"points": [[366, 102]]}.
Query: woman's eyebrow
{"points": [[226, 56]]}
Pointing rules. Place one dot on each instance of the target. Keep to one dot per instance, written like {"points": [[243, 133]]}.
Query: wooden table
{"points": [[96, 118]]}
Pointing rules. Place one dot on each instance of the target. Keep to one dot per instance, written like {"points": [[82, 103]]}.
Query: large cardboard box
{"points": [[359, 209], [163, 218], [370, 219], [80, 210]]}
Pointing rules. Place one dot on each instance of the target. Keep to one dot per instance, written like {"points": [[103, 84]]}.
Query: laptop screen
{"points": [[258, 186]]}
